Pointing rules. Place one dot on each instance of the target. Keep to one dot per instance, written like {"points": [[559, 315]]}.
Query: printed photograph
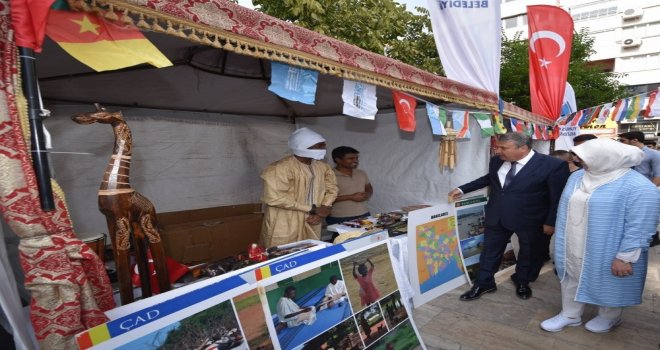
{"points": [[438, 256], [470, 221], [402, 337], [253, 321], [371, 323], [308, 304], [344, 336], [369, 276], [393, 309], [215, 328]]}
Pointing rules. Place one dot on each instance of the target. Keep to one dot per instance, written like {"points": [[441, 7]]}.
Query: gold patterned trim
{"points": [[161, 22]]}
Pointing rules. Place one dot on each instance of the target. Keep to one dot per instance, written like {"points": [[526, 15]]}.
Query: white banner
{"points": [[468, 35], [359, 100]]}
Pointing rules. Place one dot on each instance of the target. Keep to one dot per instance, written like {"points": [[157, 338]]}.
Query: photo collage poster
{"points": [[471, 222], [340, 297], [436, 265]]}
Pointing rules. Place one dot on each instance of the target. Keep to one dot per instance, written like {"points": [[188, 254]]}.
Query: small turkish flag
{"points": [[405, 110], [550, 41]]}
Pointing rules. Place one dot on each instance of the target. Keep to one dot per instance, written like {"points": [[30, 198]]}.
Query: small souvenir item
{"points": [[256, 253]]}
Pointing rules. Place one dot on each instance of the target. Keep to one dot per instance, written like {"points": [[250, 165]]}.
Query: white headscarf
{"points": [[302, 139], [606, 160]]}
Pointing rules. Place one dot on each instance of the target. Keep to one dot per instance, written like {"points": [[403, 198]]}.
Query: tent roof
{"points": [[221, 53]]}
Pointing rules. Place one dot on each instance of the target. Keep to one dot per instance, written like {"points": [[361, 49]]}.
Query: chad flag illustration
{"points": [[100, 44]]}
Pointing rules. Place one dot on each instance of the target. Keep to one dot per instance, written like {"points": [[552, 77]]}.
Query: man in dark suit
{"points": [[525, 187]]}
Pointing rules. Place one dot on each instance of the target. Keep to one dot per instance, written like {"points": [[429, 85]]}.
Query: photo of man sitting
{"points": [[335, 293], [290, 313]]}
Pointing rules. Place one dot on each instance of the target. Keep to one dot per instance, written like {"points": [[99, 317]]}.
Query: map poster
{"points": [[343, 297], [436, 265], [470, 220]]}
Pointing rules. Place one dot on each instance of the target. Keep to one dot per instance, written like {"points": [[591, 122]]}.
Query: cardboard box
{"points": [[210, 234]]}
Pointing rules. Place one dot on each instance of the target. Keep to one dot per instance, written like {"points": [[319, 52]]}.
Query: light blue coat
{"points": [[623, 215]]}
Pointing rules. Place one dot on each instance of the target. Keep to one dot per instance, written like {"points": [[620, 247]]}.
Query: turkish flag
{"points": [[405, 110], [29, 17], [550, 41]]}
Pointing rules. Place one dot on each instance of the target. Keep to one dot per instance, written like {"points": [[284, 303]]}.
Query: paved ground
{"points": [[503, 321]]}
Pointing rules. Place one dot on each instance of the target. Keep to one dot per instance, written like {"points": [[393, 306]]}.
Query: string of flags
{"points": [[360, 101], [629, 109]]}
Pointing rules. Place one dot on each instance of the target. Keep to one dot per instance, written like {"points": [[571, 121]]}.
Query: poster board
{"points": [[249, 311], [471, 217], [436, 263]]}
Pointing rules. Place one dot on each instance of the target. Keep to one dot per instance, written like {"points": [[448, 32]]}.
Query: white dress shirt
{"points": [[506, 166]]}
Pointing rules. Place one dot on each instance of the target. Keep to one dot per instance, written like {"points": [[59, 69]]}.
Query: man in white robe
{"points": [[607, 215], [335, 293], [290, 313]]}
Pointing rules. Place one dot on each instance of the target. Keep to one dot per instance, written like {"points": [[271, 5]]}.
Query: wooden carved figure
{"points": [[131, 216]]}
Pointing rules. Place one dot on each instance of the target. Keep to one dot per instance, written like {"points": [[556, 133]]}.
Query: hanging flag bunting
{"points": [[550, 40], [617, 109], [653, 105], [594, 115], [536, 133], [468, 36], [100, 44], [545, 133], [359, 100], [405, 105], [635, 108], [498, 126], [485, 123], [586, 116], [528, 128], [517, 125], [604, 113], [29, 18], [623, 111], [437, 118], [461, 122], [576, 118], [293, 83]]}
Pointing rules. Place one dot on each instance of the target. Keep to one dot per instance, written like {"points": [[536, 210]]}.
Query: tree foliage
{"points": [[387, 28], [592, 86], [381, 26]]}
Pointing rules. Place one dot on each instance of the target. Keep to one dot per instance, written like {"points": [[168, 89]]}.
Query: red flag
{"points": [[405, 110], [28, 17], [550, 41], [652, 96]]}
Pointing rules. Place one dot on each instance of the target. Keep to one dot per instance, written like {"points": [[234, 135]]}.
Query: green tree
{"points": [[592, 86], [381, 26]]}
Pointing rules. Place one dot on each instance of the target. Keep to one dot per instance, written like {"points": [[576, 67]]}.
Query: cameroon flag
{"points": [[100, 44]]}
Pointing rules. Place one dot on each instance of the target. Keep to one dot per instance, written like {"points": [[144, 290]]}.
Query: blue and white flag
{"points": [[437, 118], [293, 83], [359, 100], [468, 35]]}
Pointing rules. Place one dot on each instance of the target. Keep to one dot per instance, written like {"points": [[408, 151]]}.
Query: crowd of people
{"points": [[600, 201]]}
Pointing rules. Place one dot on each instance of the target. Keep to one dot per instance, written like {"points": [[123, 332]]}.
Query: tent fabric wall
{"points": [[402, 166], [180, 160]]}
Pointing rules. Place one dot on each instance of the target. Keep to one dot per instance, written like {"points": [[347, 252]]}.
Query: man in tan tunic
{"points": [[298, 191]]}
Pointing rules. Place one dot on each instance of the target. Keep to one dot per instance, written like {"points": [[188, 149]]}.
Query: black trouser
{"points": [[496, 239], [540, 254]]}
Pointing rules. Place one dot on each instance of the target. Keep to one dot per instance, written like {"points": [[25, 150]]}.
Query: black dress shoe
{"points": [[476, 291], [523, 291]]}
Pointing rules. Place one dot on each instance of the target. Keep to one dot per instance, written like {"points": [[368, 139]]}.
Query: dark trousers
{"points": [[540, 254], [496, 239]]}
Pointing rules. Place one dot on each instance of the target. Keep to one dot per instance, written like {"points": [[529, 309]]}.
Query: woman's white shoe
{"points": [[558, 323]]}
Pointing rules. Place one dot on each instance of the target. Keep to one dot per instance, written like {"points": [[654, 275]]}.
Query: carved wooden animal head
{"points": [[101, 115]]}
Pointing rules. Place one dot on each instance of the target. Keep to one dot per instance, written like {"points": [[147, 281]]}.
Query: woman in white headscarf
{"points": [[606, 217]]}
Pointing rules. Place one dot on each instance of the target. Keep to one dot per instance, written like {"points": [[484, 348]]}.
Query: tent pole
{"points": [[35, 114]]}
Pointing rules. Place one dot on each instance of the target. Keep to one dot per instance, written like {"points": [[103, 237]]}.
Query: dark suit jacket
{"points": [[531, 200]]}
